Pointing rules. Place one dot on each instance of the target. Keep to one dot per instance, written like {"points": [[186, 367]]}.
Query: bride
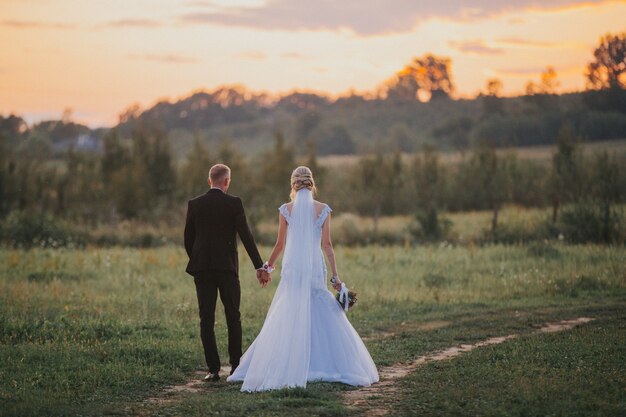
{"points": [[306, 335]]}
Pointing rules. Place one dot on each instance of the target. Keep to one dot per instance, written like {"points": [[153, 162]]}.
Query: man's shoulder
{"points": [[207, 198], [197, 198], [232, 197]]}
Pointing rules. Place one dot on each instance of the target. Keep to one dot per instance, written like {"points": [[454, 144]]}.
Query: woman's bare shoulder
{"points": [[288, 206], [319, 207]]}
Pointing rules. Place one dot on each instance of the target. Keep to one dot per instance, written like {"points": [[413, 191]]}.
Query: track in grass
{"points": [[366, 399], [363, 399]]}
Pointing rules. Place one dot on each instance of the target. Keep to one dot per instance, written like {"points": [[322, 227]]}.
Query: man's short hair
{"points": [[218, 173]]}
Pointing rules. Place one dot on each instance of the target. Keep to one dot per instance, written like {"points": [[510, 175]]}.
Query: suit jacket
{"points": [[213, 221]]}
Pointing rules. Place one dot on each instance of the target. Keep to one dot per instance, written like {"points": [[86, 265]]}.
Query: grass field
{"points": [[98, 331]]}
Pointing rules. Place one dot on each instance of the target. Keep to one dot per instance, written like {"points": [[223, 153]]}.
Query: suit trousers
{"points": [[208, 284]]}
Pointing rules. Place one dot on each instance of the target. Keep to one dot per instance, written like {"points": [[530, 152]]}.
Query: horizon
{"points": [[100, 59]]}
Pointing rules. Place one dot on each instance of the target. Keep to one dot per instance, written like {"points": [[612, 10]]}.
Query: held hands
{"points": [[264, 277], [263, 274]]}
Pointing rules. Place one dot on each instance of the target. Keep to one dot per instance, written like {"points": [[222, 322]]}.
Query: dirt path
{"points": [[367, 397], [359, 398]]}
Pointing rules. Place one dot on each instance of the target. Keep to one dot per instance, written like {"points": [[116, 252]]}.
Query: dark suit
{"points": [[213, 222]]}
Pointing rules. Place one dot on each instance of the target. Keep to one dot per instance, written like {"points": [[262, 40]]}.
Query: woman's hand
{"points": [[337, 284]]}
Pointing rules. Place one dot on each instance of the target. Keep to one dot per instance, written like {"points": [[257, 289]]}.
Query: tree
{"points": [[31, 173], [427, 179], [491, 101], [243, 181], [429, 75], [159, 166], [531, 88], [542, 95], [5, 175], [144, 185], [393, 183], [549, 82], [426, 169], [318, 171], [494, 87], [131, 113], [195, 172], [367, 182], [605, 188], [81, 182], [277, 166], [608, 69], [485, 178], [115, 155], [565, 182]]}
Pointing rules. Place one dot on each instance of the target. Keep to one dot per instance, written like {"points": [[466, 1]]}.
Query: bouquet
{"points": [[348, 300], [345, 297]]}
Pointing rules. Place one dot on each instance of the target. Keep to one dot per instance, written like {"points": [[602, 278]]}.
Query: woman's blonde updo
{"points": [[301, 177]]}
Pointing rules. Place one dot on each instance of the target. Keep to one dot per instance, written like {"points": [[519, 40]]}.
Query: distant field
{"points": [[541, 153]]}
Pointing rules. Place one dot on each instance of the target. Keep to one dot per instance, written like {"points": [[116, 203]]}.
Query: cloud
{"points": [[294, 55], [525, 72], [525, 42], [475, 47], [519, 72], [364, 17], [253, 55], [132, 23], [165, 58], [31, 24]]}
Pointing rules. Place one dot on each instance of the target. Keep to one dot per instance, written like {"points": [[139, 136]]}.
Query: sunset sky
{"points": [[99, 57]]}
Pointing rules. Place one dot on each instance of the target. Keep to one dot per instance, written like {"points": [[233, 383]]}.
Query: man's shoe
{"points": [[212, 377]]}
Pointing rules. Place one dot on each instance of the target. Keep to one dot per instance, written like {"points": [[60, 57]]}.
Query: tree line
{"points": [[139, 180]]}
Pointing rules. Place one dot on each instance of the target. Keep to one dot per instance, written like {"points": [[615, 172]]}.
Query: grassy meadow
{"points": [[97, 331]]}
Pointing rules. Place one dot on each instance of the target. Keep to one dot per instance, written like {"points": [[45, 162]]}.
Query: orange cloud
{"points": [[132, 23], [526, 42], [475, 47], [253, 55], [166, 58], [27, 24]]}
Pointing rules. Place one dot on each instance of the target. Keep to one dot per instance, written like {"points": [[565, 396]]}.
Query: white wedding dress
{"points": [[306, 335]]}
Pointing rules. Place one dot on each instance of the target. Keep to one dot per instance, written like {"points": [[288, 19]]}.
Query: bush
{"points": [[590, 222], [510, 233], [429, 226], [22, 229]]}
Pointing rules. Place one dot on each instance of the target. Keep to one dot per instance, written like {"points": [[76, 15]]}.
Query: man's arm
{"points": [[246, 236], [190, 231]]}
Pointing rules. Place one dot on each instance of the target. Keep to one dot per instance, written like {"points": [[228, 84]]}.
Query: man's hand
{"points": [[263, 277]]}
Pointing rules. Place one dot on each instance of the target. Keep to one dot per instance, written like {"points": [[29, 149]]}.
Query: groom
{"points": [[213, 221]]}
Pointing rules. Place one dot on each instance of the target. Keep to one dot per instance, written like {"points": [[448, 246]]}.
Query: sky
{"points": [[98, 57]]}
